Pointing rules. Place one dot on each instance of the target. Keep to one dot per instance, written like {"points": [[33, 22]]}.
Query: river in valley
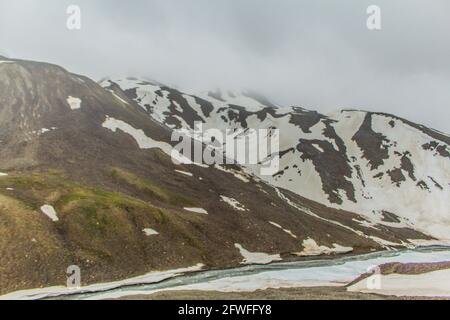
{"points": [[311, 273]]}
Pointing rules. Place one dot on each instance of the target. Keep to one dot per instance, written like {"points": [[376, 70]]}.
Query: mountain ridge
{"points": [[122, 207], [376, 147]]}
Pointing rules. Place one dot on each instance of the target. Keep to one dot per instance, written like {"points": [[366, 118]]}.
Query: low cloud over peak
{"points": [[316, 54]]}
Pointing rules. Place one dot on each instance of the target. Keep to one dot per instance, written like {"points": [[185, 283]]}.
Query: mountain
{"points": [[391, 171], [87, 179]]}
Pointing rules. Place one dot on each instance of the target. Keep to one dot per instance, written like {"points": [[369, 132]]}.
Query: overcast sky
{"points": [[316, 54]]}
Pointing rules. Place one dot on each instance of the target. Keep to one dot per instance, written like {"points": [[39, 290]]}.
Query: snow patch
{"points": [[235, 173], [317, 147], [234, 203], [431, 284], [50, 212], [150, 232], [117, 96], [196, 210], [311, 248], [366, 224], [285, 230], [385, 243], [429, 243], [139, 136], [43, 130], [185, 173], [74, 103], [145, 142], [256, 257]]}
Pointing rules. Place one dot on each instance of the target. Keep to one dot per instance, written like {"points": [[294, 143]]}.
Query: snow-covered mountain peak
{"points": [[391, 170]]}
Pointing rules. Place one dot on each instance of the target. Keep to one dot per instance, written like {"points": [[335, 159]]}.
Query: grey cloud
{"points": [[316, 53]]}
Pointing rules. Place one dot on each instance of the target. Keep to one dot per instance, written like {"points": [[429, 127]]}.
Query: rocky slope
{"points": [[388, 169], [87, 179]]}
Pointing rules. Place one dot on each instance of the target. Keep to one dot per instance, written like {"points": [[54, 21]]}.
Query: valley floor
{"points": [[422, 272]]}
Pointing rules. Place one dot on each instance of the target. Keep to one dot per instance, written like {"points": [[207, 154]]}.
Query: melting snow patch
{"points": [[285, 230], [3, 174], [196, 210], [311, 248], [150, 232], [234, 203], [185, 173], [236, 173], [256, 257], [142, 140], [43, 130], [384, 243], [366, 224], [429, 243], [319, 148], [10, 189], [431, 284], [50, 212], [119, 98], [145, 142], [74, 103]]}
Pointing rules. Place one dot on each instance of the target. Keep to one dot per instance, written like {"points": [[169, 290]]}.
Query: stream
{"points": [[319, 272]]}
